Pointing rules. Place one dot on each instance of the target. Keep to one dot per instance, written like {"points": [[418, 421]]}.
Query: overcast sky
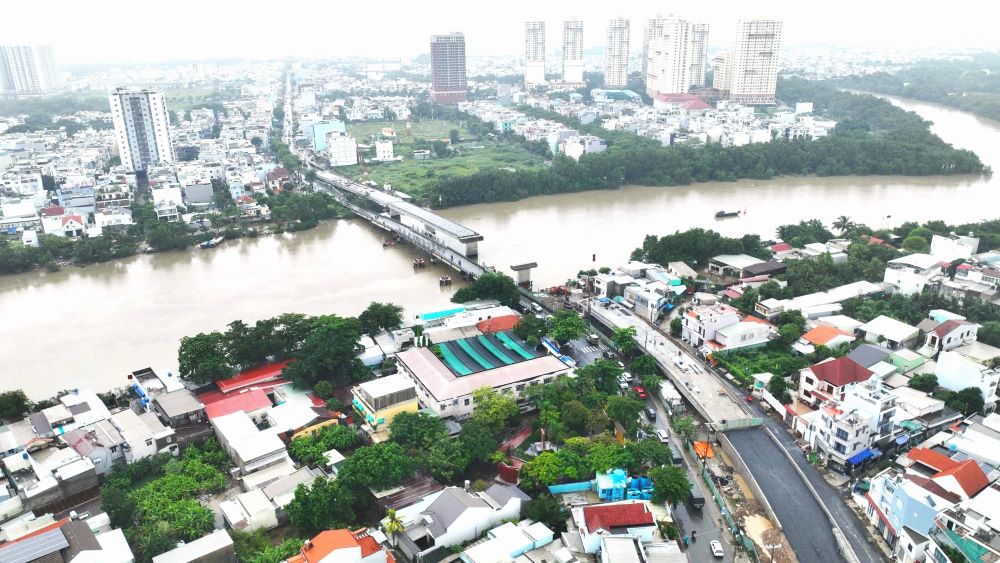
{"points": [[110, 31]]}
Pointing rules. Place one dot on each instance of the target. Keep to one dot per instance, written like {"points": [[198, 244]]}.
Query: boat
{"points": [[387, 243], [444, 280], [418, 263], [212, 243], [723, 214]]}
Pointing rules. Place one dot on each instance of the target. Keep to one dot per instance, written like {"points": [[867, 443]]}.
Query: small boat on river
{"points": [[724, 214]]}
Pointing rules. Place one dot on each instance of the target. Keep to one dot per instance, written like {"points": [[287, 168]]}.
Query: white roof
{"points": [[882, 369], [921, 261], [333, 457], [114, 549], [386, 385], [890, 328], [200, 547], [987, 503], [738, 261]]}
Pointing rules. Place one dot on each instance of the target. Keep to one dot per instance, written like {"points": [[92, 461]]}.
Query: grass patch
{"points": [[428, 130]]}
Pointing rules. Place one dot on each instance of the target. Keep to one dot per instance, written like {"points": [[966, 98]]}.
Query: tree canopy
{"points": [[490, 285]]}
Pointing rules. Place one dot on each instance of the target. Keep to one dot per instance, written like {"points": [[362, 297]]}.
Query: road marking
{"points": [[590, 349]]}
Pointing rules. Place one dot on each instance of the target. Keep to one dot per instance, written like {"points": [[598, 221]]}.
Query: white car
{"points": [[621, 365], [717, 548], [622, 384], [627, 376], [662, 435]]}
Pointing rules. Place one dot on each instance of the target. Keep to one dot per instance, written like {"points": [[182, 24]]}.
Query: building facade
{"points": [[753, 62], [616, 55], [142, 128], [448, 81], [28, 69], [675, 57], [572, 52], [534, 53]]}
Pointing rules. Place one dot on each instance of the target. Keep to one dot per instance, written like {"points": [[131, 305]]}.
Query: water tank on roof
{"points": [[952, 448], [24, 455]]}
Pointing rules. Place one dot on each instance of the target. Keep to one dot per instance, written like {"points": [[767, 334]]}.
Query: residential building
{"points": [[971, 528], [572, 52], [953, 247], [956, 372], [627, 518], [616, 54], [950, 335], [752, 64], [889, 333], [379, 401], [897, 500], [28, 70], [771, 308], [250, 448], [830, 379], [216, 547], [509, 541], [68, 540], [732, 264], [322, 129], [448, 82], [848, 430], [701, 323], [676, 57], [652, 31], [342, 150], [822, 335], [534, 53], [499, 361], [909, 274], [179, 408], [142, 128], [720, 72], [575, 147], [383, 151], [344, 546]]}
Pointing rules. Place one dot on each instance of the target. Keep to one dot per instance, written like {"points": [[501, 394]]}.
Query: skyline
{"points": [[330, 31]]}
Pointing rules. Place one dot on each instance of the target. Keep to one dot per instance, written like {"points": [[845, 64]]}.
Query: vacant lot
{"points": [[428, 130]]}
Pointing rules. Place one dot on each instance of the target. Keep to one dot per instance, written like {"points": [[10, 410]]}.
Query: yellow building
{"points": [[378, 401]]}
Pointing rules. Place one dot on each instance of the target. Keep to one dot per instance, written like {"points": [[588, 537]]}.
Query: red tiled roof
{"points": [[68, 218], [51, 211], [608, 517], [249, 377], [368, 546], [841, 371], [732, 293], [969, 476], [964, 267], [780, 247], [823, 334], [931, 486], [497, 324], [944, 328], [758, 320], [687, 101], [931, 459], [250, 401]]}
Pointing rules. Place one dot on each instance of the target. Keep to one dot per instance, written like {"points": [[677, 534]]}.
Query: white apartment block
{"points": [[675, 58], [142, 128], [28, 69], [575, 147], [534, 53], [572, 52], [616, 59], [720, 71], [700, 324], [383, 151], [652, 31], [910, 274], [956, 372], [341, 149], [954, 247], [753, 62]]}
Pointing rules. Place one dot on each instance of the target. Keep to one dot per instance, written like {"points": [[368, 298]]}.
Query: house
{"points": [[953, 247], [969, 528], [950, 335], [681, 270], [344, 546], [867, 355], [255, 403], [508, 541], [848, 430], [457, 516], [249, 511], [250, 448], [179, 408], [266, 373], [700, 324], [769, 268], [822, 335], [70, 225], [68, 540], [898, 500], [889, 333], [378, 401], [771, 308], [830, 379], [216, 547], [956, 372], [148, 384], [144, 435], [629, 518], [732, 264], [909, 274], [750, 332]]}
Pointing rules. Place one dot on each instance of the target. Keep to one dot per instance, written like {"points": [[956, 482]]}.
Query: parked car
{"points": [[717, 549], [621, 365], [640, 391], [651, 413], [537, 308], [662, 435], [627, 376], [622, 384]]}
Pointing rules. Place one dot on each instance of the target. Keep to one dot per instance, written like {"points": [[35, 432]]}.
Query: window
{"points": [[466, 402], [842, 434], [149, 441]]}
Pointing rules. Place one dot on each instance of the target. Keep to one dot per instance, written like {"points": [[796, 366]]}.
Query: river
{"points": [[89, 327]]}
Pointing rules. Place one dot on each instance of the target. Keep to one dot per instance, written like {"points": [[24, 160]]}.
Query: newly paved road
{"points": [[802, 519]]}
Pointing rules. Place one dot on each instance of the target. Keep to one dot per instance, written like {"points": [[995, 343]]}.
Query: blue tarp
{"points": [[861, 456], [902, 439], [604, 300]]}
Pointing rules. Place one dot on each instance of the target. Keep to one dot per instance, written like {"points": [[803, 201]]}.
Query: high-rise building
{"points": [[616, 57], [572, 55], [753, 62], [142, 127], [534, 53], [28, 69], [448, 83], [653, 30], [675, 58], [720, 72]]}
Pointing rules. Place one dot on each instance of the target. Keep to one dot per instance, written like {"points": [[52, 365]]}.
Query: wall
{"points": [[741, 466]]}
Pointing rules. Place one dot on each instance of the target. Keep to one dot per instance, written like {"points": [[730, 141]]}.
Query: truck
{"points": [[671, 397], [695, 497]]}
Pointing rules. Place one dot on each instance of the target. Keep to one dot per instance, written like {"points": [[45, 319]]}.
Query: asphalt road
{"points": [[802, 519]]}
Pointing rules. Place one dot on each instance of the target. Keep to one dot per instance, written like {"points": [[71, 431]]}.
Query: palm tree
{"points": [[843, 224], [393, 525]]}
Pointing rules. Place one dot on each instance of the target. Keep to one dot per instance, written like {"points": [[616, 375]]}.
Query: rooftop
{"points": [[264, 373], [738, 261], [840, 371], [253, 400], [201, 547], [890, 328], [823, 334], [611, 516], [460, 232], [921, 261], [178, 403]]}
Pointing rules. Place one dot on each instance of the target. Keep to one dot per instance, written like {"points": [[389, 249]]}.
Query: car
{"points": [[651, 413], [621, 365], [641, 392], [662, 435], [716, 546], [623, 385], [626, 376], [537, 308]]}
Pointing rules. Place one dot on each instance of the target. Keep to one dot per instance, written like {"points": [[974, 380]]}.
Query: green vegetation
{"points": [[775, 359], [926, 382], [778, 388], [579, 458], [380, 316], [302, 210], [547, 509], [967, 401], [670, 484], [309, 450], [254, 547], [491, 285], [14, 404], [530, 329], [567, 324], [696, 247]]}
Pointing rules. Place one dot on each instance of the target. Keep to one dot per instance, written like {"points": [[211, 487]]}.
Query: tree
{"points": [[378, 466], [778, 388], [624, 339], [676, 325], [685, 427], [13, 404], [492, 408], [380, 316], [478, 440], [202, 358], [168, 236], [567, 325], [248, 544], [547, 509], [323, 389], [625, 410], [310, 450], [446, 460], [989, 333], [454, 136], [788, 334], [243, 347], [670, 484], [257, 142], [440, 148], [328, 352], [843, 224], [530, 329], [577, 417], [393, 525], [323, 505], [280, 552], [916, 244], [967, 401], [491, 285], [418, 431], [926, 382], [643, 365]]}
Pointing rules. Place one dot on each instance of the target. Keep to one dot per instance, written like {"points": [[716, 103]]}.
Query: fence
{"points": [[743, 540]]}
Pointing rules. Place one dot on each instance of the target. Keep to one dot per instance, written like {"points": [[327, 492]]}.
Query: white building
{"points": [[572, 52], [720, 71], [676, 57], [341, 149], [700, 324], [652, 31], [910, 274], [847, 429], [575, 147], [752, 65], [383, 151], [954, 371], [534, 53], [889, 333], [616, 54], [142, 128], [953, 247], [28, 69]]}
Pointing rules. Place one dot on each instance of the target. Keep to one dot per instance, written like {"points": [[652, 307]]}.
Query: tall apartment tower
{"points": [[28, 69], [448, 83], [534, 53], [572, 52], [142, 127], [720, 72], [676, 57], [753, 62], [616, 59], [653, 30]]}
